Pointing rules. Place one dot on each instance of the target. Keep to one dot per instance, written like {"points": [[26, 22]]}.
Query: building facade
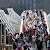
{"points": [[20, 5]]}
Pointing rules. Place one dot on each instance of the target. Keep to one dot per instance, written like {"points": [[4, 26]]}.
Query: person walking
{"points": [[48, 44]]}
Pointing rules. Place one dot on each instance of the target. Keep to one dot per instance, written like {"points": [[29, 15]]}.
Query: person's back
{"points": [[39, 46], [19, 45], [30, 37], [31, 48]]}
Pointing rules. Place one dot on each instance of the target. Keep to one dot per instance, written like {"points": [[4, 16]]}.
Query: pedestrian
{"points": [[48, 44], [39, 46]]}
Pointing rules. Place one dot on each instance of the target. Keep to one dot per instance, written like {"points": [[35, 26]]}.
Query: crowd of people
{"points": [[34, 32]]}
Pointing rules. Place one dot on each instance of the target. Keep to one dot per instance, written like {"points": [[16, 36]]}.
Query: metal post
{"points": [[0, 34], [5, 35]]}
